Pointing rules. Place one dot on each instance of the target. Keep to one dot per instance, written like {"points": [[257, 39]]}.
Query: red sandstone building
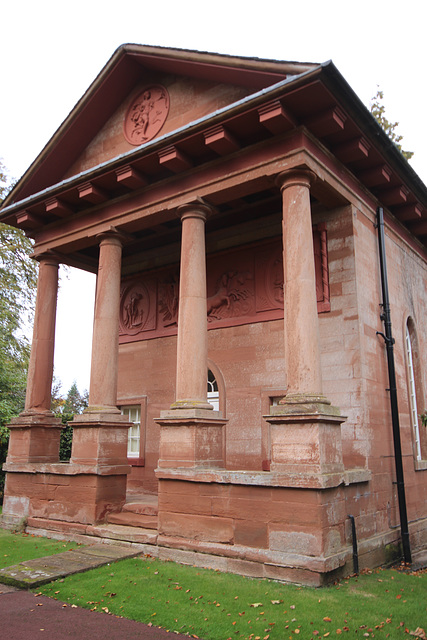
{"points": [[228, 207]]}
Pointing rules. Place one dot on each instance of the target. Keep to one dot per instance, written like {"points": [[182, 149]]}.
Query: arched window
{"points": [[413, 384], [213, 392]]}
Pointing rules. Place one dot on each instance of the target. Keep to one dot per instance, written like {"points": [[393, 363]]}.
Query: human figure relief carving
{"points": [[133, 314], [230, 296], [134, 309], [168, 300], [146, 115], [270, 293]]}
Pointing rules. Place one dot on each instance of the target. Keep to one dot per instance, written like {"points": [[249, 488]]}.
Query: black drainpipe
{"points": [[389, 341]]}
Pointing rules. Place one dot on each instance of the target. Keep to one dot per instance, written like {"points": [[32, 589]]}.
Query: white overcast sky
{"points": [[52, 51]]}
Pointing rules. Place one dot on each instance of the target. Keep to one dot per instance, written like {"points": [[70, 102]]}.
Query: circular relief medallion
{"points": [[146, 114]]}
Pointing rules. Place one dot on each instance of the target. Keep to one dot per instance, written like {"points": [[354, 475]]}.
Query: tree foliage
{"points": [[378, 111], [66, 408], [18, 281]]}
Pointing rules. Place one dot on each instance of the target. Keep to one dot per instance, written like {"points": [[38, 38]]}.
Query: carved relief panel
{"points": [[244, 285], [146, 114]]}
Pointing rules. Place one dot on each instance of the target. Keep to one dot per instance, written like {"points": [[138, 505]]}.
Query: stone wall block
{"points": [[185, 503], [304, 541], [201, 528], [251, 533]]}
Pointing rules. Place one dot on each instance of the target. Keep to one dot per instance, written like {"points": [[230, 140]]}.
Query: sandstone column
{"points": [[100, 433], [305, 428], [35, 433], [301, 326], [105, 341], [192, 349], [40, 370], [191, 433]]}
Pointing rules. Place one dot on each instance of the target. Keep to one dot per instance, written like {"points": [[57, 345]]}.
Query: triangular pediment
{"points": [[158, 105], [194, 84]]}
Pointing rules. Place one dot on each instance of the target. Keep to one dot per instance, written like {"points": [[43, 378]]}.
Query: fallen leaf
{"points": [[256, 604], [327, 619], [292, 606], [276, 601], [419, 633]]}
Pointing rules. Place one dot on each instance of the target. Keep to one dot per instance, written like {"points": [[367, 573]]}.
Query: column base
{"points": [[34, 437], [100, 438], [191, 438], [305, 403], [306, 437]]}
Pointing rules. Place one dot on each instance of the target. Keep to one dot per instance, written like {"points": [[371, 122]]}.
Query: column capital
{"points": [[49, 258], [196, 209], [295, 177], [113, 236]]}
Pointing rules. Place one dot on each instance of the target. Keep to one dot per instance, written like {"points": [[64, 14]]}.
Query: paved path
{"points": [[33, 573], [24, 615]]}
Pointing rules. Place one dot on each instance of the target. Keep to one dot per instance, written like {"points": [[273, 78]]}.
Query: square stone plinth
{"points": [[188, 439], [34, 438], [306, 444]]}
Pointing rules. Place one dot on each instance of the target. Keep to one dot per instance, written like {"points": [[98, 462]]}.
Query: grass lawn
{"points": [[17, 547], [215, 606]]}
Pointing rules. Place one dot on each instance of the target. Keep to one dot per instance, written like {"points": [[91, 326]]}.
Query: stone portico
{"points": [[228, 239]]}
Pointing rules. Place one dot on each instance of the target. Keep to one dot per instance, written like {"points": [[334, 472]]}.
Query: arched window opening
{"points": [[411, 361], [213, 392]]}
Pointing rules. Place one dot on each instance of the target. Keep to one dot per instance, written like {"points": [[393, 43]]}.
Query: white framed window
{"points": [[133, 414], [412, 393], [213, 392]]}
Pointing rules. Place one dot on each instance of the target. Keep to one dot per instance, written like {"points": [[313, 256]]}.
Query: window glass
{"points": [[412, 393], [133, 414], [213, 393]]}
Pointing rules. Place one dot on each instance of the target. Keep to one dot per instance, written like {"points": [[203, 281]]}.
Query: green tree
{"points": [[18, 282], [378, 111]]}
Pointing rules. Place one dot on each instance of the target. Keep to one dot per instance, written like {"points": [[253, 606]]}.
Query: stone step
{"points": [[124, 533], [133, 519], [143, 508]]}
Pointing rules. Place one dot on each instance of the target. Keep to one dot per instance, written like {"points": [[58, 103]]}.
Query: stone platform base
{"points": [[226, 558]]}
